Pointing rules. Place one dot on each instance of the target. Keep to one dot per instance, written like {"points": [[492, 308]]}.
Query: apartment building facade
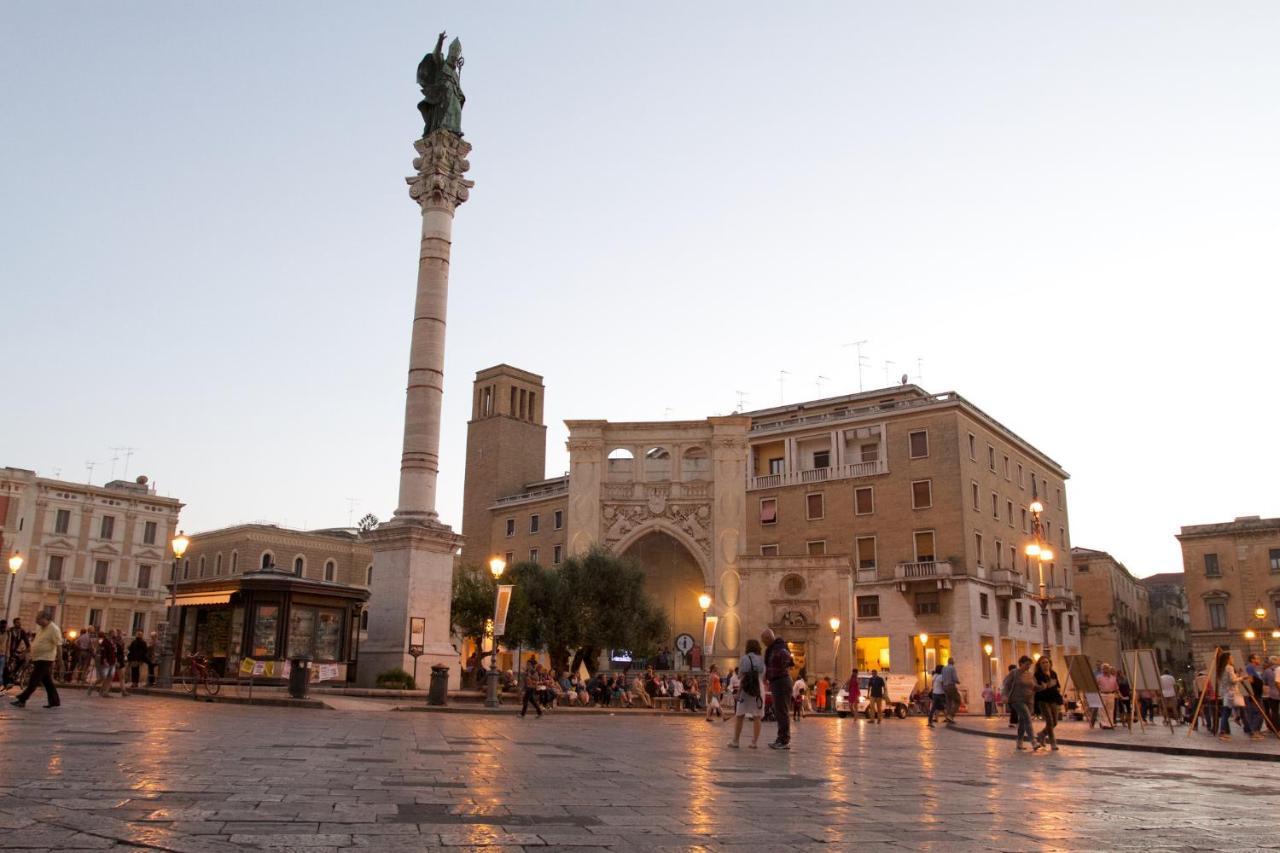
{"points": [[1115, 613], [92, 555], [1170, 621]]}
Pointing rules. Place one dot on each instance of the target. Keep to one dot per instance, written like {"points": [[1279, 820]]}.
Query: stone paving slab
{"points": [[166, 775]]}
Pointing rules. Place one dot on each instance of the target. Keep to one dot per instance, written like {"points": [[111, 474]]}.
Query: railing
{"points": [[868, 575], [848, 471], [846, 414], [663, 489], [1009, 578], [536, 494], [922, 571]]}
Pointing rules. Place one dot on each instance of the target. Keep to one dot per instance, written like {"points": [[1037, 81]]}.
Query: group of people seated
{"points": [[621, 690]]}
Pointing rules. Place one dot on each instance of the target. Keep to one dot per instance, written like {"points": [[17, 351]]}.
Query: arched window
{"points": [[299, 565], [217, 564], [696, 464], [330, 569], [268, 559], [368, 575], [621, 465], [364, 620], [657, 464], [201, 565], [186, 568], [235, 562]]}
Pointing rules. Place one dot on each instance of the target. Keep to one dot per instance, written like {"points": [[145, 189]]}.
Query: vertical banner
{"points": [[500, 611], [709, 637], [835, 654]]}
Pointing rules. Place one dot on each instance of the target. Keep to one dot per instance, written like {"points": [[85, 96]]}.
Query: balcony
{"points": [[850, 471], [1009, 584], [659, 489], [928, 571]]}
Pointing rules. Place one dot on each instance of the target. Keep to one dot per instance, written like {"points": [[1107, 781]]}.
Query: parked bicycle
{"points": [[200, 673]]}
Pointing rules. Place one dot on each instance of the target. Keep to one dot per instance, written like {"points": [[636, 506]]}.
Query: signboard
{"points": [[417, 635], [620, 656], [500, 610], [709, 635], [684, 643]]}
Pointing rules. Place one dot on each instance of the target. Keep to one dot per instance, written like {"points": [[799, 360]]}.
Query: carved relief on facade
{"points": [[619, 520]]}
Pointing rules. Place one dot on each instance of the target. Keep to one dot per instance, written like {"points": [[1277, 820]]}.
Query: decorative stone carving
{"points": [[694, 520], [441, 164]]}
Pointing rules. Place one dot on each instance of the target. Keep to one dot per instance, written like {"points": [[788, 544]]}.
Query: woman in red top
{"points": [[854, 692]]}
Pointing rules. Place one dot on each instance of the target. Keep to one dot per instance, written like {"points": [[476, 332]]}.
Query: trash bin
{"points": [[438, 694], [299, 677]]}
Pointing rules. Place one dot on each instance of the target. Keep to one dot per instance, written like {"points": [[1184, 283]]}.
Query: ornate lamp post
{"points": [[1260, 616], [15, 565], [1039, 549], [165, 680], [496, 567], [704, 601], [834, 622]]}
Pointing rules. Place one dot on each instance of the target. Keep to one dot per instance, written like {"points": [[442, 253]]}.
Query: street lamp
{"points": [[1043, 553], [167, 639], [834, 622], [1260, 614], [15, 565], [497, 566], [704, 601]]}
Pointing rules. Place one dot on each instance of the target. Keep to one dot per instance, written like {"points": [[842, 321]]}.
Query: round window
{"points": [[793, 585]]}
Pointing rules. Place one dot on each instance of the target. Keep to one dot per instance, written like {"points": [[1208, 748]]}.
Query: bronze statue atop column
{"points": [[442, 98]]}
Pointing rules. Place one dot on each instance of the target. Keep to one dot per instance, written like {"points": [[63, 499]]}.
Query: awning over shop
{"points": [[204, 598]]}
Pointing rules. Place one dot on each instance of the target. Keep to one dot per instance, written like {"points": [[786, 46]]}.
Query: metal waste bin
{"points": [[299, 677], [438, 694]]}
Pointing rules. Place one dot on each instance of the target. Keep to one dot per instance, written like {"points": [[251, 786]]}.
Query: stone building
{"points": [[1170, 621], [1115, 613], [1232, 572], [901, 513], [92, 554], [334, 555]]}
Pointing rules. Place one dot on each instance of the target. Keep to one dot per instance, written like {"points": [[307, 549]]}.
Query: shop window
{"points": [[266, 619], [316, 632]]}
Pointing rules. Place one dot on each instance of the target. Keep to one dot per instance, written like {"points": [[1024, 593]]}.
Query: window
{"points": [[1013, 558], [1082, 569], [973, 447], [921, 494], [364, 620], [533, 555], [368, 575], [55, 567], [1059, 491], [217, 564], [822, 459], [1071, 623], [139, 622], [919, 444], [201, 572], [1217, 615], [977, 544], [775, 466], [298, 565], [1006, 466], [768, 510], [868, 607], [1274, 556], [984, 605], [1211, 566], [1017, 609], [866, 547], [973, 494], [817, 548], [235, 562], [330, 570], [149, 533], [1021, 482], [511, 527], [186, 568], [869, 453], [1008, 511], [998, 552], [927, 604], [769, 550], [991, 458], [268, 560], [814, 506], [793, 585], [1032, 613], [95, 617], [101, 571], [535, 523], [924, 546], [864, 502], [108, 527], [995, 505], [144, 577], [62, 523], [1062, 539], [557, 520], [1024, 522], [510, 557], [557, 554]]}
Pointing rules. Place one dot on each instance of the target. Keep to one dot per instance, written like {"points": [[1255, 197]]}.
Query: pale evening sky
{"points": [[208, 253]]}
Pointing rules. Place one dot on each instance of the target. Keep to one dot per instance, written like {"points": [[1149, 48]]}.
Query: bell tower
{"points": [[506, 450]]}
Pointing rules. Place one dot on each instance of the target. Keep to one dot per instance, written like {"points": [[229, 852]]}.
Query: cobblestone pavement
{"points": [[159, 773]]}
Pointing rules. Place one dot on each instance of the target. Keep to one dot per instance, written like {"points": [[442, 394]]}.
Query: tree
{"points": [[472, 606]]}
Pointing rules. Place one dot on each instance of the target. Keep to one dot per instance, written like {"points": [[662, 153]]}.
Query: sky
{"points": [[1066, 213]]}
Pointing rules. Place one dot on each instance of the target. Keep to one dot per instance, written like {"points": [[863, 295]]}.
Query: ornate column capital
{"points": [[441, 164]]}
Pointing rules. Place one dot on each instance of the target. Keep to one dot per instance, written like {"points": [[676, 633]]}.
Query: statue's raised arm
{"points": [[442, 97]]}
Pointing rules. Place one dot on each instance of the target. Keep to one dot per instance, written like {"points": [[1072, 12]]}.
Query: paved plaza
{"points": [[160, 773]]}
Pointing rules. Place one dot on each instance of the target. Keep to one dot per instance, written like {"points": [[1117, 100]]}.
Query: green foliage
{"points": [[473, 594], [395, 679], [591, 603]]}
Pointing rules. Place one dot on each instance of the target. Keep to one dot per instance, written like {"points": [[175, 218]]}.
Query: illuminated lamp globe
{"points": [[15, 563], [1036, 507], [924, 638], [1032, 550], [1251, 634], [834, 622], [1261, 613], [704, 601], [988, 648], [1046, 554], [180, 543], [497, 566]]}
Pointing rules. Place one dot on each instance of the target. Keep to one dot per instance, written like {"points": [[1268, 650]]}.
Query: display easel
{"points": [[1143, 672], [1081, 672], [1210, 677]]}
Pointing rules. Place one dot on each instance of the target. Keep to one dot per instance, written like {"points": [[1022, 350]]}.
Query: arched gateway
{"points": [[673, 579]]}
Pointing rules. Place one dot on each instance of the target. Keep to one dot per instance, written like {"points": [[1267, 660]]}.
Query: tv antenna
{"points": [[887, 365], [351, 511], [90, 466], [818, 384], [666, 413], [782, 377], [742, 399], [861, 359], [128, 454], [919, 371]]}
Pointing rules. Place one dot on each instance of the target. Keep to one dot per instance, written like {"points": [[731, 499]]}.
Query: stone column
{"points": [[729, 454], [413, 553], [588, 470]]}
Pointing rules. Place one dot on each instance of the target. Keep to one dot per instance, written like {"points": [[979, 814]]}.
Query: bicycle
{"points": [[201, 673]]}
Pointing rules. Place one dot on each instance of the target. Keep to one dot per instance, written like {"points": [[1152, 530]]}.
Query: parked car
{"points": [[898, 687]]}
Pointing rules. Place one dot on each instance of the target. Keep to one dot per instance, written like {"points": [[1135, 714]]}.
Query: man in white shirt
{"points": [[1169, 696], [44, 651]]}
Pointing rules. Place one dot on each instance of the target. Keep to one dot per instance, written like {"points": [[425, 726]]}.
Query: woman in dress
{"points": [[1048, 700], [750, 695]]}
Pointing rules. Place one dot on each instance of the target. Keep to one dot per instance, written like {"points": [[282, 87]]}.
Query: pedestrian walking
{"points": [[137, 656], [1004, 697], [877, 692], [44, 651], [1048, 701], [1271, 691], [937, 694], [988, 700], [714, 690], [1254, 685], [777, 666], [853, 691], [1228, 692], [951, 687], [749, 696], [798, 691], [531, 684], [18, 646], [153, 655], [1109, 688], [1020, 689], [107, 662], [1169, 696]]}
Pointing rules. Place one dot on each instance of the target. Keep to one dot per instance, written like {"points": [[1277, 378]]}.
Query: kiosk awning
{"points": [[204, 598]]}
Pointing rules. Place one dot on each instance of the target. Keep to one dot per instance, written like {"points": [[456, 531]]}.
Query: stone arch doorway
{"points": [[673, 578]]}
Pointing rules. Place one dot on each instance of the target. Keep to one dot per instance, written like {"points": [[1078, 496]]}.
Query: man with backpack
{"points": [[777, 672]]}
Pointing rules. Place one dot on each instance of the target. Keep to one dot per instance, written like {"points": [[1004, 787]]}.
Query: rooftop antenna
{"points": [[90, 466], [128, 454], [782, 376], [742, 399], [666, 413], [351, 510], [919, 371], [818, 384], [57, 473], [862, 360], [887, 365]]}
